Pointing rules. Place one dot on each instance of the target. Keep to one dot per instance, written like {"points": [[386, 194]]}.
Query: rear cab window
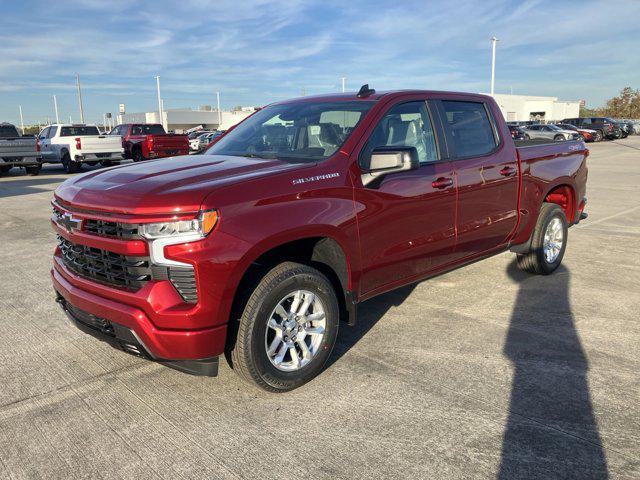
{"points": [[78, 131], [8, 131], [147, 130], [471, 128]]}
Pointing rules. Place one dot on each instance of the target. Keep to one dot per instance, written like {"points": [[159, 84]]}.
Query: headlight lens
{"points": [[200, 226]]}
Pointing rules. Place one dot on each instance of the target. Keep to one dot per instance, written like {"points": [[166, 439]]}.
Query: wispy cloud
{"points": [[257, 51]]}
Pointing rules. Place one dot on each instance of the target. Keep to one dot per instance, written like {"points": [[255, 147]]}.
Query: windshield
{"points": [[297, 132], [79, 130]]}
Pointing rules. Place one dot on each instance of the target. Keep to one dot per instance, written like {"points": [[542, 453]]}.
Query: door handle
{"points": [[442, 182], [508, 171]]}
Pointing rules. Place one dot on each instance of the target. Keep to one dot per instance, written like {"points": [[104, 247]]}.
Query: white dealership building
{"points": [[519, 108], [182, 119]]}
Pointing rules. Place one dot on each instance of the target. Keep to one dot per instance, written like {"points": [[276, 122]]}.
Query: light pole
{"points": [[219, 112], [55, 105], [159, 100], [80, 98], [344, 79], [494, 40], [21, 119]]}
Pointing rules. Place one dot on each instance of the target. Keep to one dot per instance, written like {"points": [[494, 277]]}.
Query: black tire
{"points": [[535, 261], [33, 170], [248, 356], [69, 165], [559, 138], [599, 136], [136, 155]]}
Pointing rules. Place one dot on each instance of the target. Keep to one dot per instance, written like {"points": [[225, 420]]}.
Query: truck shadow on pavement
{"points": [[551, 431], [369, 313]]}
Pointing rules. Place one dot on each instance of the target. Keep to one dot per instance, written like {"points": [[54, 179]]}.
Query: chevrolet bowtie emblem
{"points": [[70, 223]]}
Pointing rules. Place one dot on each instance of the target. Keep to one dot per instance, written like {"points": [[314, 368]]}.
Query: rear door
{"points": [[406, 220], [486, 173]]}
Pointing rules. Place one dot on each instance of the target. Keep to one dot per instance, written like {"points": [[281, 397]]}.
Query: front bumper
{"points": [[130, 329]]}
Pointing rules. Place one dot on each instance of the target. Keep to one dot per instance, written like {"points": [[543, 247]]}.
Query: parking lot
{"points": [[483, 372]]}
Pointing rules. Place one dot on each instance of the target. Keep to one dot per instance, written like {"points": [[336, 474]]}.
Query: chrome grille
{"points": [[104, 266], [111, 229]]}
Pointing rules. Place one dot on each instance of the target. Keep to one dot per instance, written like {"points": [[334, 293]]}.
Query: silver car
{"points": [[550, 132]]}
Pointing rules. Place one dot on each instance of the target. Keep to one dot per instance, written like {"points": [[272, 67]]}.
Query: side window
{"points": [[44, 133], [586, 121], [406, 125], [52, 132], [470, 128]]}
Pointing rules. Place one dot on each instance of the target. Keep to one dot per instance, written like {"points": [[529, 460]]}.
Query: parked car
{"points": [[550, 132], [206, 139], [517, 133], [142, 141], [75, 144], [626, 128], [604, 127], [587, 134], [194, 142], [18, 151], [259, 247]]}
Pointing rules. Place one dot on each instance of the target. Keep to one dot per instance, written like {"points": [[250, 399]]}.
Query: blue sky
{"points": [[258, 51]]}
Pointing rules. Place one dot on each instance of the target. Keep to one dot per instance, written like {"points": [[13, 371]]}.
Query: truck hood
{"points": [[168, 185]]}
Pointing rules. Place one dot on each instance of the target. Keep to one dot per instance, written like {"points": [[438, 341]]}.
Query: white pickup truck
{"points": [[73, 145]]}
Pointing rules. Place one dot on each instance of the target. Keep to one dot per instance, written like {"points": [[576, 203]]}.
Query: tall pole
{"points": [[80, 98], [55, 105], [494, 40], [21, 119], [219, 112], [344, 79], [159, 100]]}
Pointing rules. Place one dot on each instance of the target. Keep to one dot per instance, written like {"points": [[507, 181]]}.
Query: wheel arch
{"points": [[323, 252]]}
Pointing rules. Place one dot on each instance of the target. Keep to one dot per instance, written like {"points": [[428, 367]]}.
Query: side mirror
{"points": [[385, 160]]}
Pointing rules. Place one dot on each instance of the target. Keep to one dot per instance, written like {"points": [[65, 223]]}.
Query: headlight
{"points": [[199, 227]]}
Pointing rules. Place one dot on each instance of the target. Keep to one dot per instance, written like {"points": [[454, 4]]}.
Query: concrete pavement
{"points": [[484, 372]]}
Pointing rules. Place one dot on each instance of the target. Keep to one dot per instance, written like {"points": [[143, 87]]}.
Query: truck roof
{"points": [[353, 96]]}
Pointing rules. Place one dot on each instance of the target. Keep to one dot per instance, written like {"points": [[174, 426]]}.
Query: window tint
{"points": [[406, 125], [79, 130], [147, 130], [470, 128]]}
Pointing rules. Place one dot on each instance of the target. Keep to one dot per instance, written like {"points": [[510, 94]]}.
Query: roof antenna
{"points": [[365, 91]]}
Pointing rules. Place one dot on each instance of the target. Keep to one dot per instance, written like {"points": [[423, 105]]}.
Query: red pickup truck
{"points": [[258, 248], [142, 141]]}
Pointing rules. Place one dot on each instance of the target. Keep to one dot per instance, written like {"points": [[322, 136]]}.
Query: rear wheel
{"points": [[137, 155], [548, 242], [287, 329], [69, 165], [33, 170]]}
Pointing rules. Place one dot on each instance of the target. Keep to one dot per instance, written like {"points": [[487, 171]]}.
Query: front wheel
{"points": [[599, 136], [559, 138], [287, 329], [548, 243]]}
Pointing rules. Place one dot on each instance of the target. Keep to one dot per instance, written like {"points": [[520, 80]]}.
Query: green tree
{"points": [[625, 105]]}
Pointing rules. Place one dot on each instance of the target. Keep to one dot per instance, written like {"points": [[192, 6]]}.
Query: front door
{"points": [[406, 220]]}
